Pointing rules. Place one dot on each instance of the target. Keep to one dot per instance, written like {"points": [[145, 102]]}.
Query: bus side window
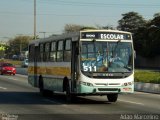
{"points": [[67, 51], [60, 51], [53, 52], [41, 47], [46, 52], [31, 53]]}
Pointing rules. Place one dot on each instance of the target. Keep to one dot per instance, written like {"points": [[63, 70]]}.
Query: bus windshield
{"points": [[106, 56]]}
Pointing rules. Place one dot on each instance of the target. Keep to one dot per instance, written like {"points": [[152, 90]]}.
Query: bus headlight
{"points": [[127, 83], [86, 83]]}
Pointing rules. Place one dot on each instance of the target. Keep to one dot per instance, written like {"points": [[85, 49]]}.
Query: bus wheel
{"points": [[41, 88], [68, 93], [112, 97], [41, 84], [69, 96]]}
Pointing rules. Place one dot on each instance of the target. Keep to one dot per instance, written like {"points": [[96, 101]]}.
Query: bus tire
{"points": [[112, 97], [65, 82], [43, 92], [68, 93], [69, 96]]}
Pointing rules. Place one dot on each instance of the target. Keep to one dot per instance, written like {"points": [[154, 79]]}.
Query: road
{"points": [[20, 99]]}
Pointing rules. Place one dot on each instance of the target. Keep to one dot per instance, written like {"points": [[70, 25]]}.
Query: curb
{"points": [[20, 75], [147, 87]]}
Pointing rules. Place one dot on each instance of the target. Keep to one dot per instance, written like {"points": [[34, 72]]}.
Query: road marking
{"points": [[131, 102], [3, 88]]}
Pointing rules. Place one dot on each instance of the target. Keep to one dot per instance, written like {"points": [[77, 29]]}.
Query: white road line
{"points": [[131, 102], [3, 88]]}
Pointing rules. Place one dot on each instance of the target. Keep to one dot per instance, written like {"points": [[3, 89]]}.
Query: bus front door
{"points": [[35, 66], [74, 65]]}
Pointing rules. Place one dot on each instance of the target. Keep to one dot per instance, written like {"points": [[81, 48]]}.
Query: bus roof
{"points": [[56, 37], [72, 34], [104, 30]]}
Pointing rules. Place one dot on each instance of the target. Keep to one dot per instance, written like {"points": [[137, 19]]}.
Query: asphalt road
{"points": [[22, 71], [19, 99]]}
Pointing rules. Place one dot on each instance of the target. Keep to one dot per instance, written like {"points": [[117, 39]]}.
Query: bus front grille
{"points": [[108, 89]]}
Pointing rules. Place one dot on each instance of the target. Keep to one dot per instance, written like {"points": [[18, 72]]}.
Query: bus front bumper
{"points": [[104, 90]]}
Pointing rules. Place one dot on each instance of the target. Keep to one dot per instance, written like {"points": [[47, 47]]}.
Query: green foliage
{"points": [[75, 28], [14, 62], [3, 47], [147, 76], [88, 27], [131, 21], [147, 39], [110, 27], [146, 34], [19, 43], [72, 28]]}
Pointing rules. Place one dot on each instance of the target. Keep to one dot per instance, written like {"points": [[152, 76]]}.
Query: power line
{"points": [[60, 15], [98, 4]]}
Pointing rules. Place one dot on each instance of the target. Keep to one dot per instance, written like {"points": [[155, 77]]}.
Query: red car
{"points": [[7, 68]]}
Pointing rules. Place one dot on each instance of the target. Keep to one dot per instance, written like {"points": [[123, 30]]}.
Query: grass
{"points": [[147, 76], [14, 62]]}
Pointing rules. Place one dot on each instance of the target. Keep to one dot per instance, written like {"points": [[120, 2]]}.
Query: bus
{"points": [[88, 62]]}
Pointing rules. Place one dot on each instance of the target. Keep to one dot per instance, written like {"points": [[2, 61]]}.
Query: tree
{"points": [[18, 44], [131, 21], [2, 50], [134, 23], [156, 15], [72, 28], [108, 27], [153, 36], [156, 20], [147, 38], [75, 28]]}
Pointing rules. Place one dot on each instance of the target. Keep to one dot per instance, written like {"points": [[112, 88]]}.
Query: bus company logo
{"points": [[90, 35]]}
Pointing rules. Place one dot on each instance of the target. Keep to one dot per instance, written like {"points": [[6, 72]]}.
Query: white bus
{"points": [[89, 62]]}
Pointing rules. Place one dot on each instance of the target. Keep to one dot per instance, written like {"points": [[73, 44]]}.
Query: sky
{"points": [[17, 16]]}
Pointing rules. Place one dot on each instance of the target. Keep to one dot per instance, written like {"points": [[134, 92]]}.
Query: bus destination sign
{"points": [[105, 35]]}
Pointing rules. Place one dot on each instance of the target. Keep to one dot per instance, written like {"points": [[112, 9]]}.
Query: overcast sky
{"points": [[16, 16]]}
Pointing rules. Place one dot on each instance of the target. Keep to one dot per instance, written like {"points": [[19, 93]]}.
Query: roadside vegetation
{"points": [[14, 62], [147, 76]]}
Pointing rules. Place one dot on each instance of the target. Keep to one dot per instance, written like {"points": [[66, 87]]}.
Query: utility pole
{"points": [[34, 19]]}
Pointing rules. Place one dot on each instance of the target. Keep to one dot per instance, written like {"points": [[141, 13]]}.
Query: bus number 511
{"points": [[89, 68]]}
